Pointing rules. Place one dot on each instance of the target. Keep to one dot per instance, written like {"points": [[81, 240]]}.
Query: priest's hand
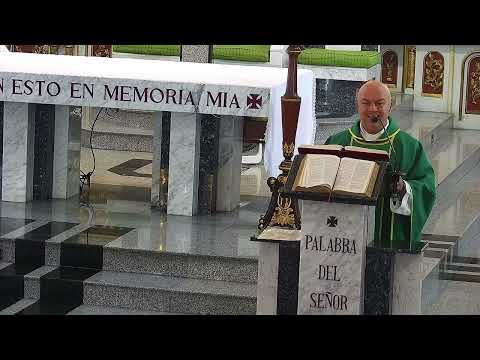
{"points": [[398, 187]]}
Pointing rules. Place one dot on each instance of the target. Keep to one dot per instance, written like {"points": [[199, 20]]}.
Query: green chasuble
{"points": [[395, 230]]}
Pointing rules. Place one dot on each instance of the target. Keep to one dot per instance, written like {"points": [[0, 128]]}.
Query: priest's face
{"points": [[374, 103]]}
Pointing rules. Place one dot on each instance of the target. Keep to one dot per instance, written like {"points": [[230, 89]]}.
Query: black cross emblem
{"points": [[332, 221], [254, 101]]}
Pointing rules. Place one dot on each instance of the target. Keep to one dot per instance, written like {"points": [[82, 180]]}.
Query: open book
{"points": [[330, 173], [355, 152]]}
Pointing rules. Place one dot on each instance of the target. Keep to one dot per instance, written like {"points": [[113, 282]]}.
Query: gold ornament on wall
{"points": [[433, 74], [410, 76], [475, 84]]}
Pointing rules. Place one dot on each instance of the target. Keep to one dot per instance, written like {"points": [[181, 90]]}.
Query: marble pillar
{"points": [[18, 151], [196, 53], [157, 155], [278, 265], [229, 162], [267, 283], [66, 157], [208, 169], [209, 142], [184, 156], [43, 151], [1, 140]]}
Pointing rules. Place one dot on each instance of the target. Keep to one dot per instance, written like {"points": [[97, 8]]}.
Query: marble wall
{"points": [[18, 151]]}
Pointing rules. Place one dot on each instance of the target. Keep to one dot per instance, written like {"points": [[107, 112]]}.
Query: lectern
{"points": [[321, 268]]}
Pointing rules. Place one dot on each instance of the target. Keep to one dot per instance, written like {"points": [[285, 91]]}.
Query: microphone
{"points": [[396, 172]]}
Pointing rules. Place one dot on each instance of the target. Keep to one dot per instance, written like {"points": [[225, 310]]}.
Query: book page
{"points": [[365, 150], [319, 170], [323, 147], [354, 175]]}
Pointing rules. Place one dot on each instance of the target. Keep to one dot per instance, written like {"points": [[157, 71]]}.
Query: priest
{"points": [[406, 201]]}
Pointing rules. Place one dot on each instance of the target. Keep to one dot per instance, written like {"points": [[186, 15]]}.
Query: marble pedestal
{"points": [[394, 281], [319, 269]]}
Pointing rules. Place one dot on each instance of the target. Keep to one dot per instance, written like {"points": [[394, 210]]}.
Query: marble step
{"points": [[12, 282], [109, 310], [195, 266], [146, 292], [18, 306], [60, 290]]}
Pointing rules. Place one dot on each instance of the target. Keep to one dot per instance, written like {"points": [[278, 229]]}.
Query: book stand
{"points": [[331, 266]]}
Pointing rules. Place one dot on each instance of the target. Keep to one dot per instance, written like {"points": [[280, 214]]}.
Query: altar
{"points": [[45, 158]]}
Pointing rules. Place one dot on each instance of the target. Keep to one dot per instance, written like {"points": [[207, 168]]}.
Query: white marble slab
{"points": [[344, 47], [267, 279], [407, 284], [229, 162], [332, 258], [18, 151], [279, 234], [343, 73], [183, 161], [66, 157], [78, 80]]}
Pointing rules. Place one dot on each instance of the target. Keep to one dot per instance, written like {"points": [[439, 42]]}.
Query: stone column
{"points": [[229, 162], [18, 151], [209, 138], [161, 139], [66, 157], [196, 53], [184, 157]]}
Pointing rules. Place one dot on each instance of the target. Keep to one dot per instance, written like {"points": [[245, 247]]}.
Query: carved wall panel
{"points": [[472, 105], [389, 68], [433, 74]]}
